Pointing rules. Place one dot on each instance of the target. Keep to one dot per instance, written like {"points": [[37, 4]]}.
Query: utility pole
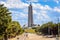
{"points": [[58, 27], [48, 29], [57, 36]]}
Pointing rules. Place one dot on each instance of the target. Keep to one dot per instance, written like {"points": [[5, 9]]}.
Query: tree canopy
{"points": [[49, 28], [7, 26]]}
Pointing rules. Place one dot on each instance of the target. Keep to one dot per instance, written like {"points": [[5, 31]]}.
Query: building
{"points": [[30, 16]]}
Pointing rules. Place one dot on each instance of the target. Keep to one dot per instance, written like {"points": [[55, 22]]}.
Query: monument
{"points": [[30, 15]]}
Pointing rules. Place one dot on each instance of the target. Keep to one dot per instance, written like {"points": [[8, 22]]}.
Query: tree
{"points": [[49, 28], [15, 29], [7, 26], [5, 20]]}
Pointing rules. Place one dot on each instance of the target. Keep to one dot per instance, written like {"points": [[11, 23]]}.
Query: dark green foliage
{"points": [[49, 28], [8, 27], [5, 19]]}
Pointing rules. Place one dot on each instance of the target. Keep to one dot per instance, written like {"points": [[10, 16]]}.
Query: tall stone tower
{"points": [[30, 16]]}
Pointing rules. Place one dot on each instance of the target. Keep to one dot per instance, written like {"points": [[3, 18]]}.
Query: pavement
{"points": [[31, 37]]}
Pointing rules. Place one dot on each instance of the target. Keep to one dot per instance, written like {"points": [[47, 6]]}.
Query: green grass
{"points": [[30, 30]]}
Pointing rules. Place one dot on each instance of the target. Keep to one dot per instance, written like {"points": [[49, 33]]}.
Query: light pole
{"points": [[57, 36], [58, 27], [48, 29]]}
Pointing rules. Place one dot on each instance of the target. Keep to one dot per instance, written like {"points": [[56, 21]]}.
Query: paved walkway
{"points": [[31, 37]]}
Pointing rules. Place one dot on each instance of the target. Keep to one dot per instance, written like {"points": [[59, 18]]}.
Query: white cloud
{"points": [[47, 7], [41, 7], [57, 1], [32, 0], [16, 15], [57, 9], [34, 12], [24, 6], [39, 10], [14, 4], [1, 2], [42, 15], [23, 15]]}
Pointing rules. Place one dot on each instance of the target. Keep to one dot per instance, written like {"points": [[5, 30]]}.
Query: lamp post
{"points": [[48, 29], [58, 27], [57, 36]]}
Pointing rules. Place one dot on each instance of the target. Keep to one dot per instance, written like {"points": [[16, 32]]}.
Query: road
{"points": [[31, 37]]}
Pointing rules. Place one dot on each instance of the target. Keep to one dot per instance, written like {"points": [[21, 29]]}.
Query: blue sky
{"points": [[43, 10]]}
